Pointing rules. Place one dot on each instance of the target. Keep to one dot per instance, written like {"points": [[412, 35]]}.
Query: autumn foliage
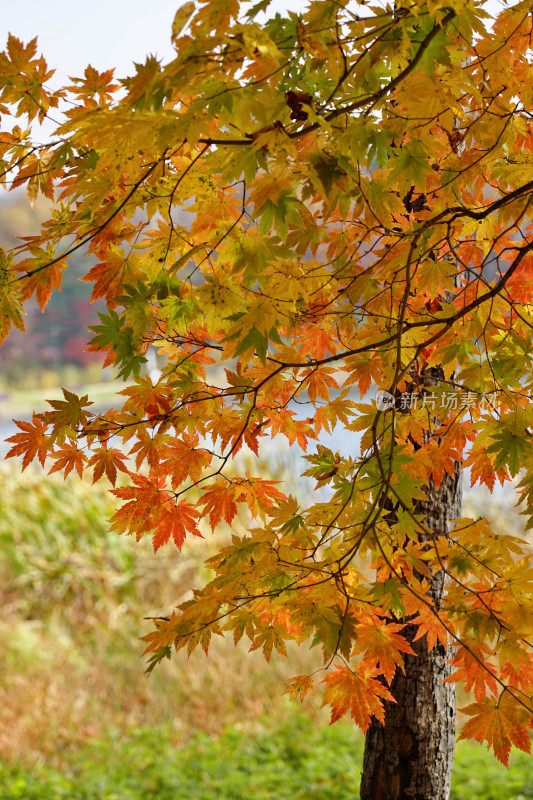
{"points": [[292, 209]]}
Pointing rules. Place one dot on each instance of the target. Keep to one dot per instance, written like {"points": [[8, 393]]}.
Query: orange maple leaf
{"points": [[107, 460], [107, 277], [175, 522], [41, 281], [145, 501], [424, 616], [69, 458], [382, 645], [273, 635], [219, 502], [362, 370], [501, 723], [220, 499], [437, 459], [429, 625], [147, 448], [294, 429], [318, 382], [258, 494], [32, 442], [517, 664], [474, 669], [183, 459], [318, 342], [482, 469], [299, 686], [359, 692], [146, 397]]}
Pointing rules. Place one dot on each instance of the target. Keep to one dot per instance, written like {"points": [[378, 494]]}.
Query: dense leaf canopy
{"points": [[294, 207]]}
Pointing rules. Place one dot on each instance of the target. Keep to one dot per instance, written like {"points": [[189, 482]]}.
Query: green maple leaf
{"points": [[114, 333], [513, 450], [409, 166]]}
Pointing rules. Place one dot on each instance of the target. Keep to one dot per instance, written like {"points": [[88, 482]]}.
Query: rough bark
{"points": [[410, 756]]}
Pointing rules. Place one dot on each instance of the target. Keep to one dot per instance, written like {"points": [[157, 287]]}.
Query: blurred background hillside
{"points": [[52, 351]]}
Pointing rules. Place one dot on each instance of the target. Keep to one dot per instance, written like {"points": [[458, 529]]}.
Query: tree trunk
{"points": [[410, 756]]}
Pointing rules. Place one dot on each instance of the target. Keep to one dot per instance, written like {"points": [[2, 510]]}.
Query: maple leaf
{"points": [[182, 460], [147, 448], [10, 308], [295, 430], [273, 636], [440, 459], [145, 499], [512, 449], [107, 277], [258, 493], [118, 339], [299, 687], [517, 664], [95, 82], [428, 622], [68, 413], [31, 443], [319, 382], [107, 461], [41, 279], [146, 397], [382, 645], [326, 464], [317, 342], [501, 723], [474, 669], [69, 457], [219, 502], [174, 523], [363, 371], [359, 692]]}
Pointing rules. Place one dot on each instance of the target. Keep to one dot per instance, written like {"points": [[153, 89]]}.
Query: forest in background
{"points": [[52, 351]]}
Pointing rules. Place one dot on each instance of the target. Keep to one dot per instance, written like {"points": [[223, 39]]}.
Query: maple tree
{"points": [[291, 208]]}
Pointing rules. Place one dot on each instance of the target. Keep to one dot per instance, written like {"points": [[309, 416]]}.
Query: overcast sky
{"points": [[104, 33]]}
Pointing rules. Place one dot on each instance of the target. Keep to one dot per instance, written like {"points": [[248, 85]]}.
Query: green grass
{"points": [[293, 761], [80, 720], [74, 596]]}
